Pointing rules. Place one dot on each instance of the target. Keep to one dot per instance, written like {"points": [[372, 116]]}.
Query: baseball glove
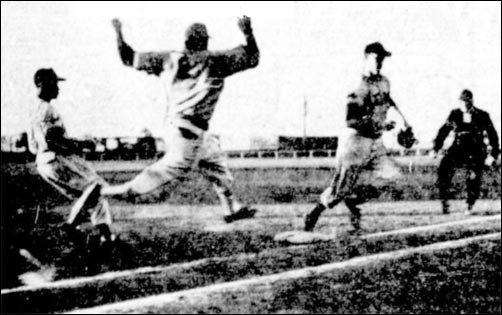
{"points": [[406, 138]]}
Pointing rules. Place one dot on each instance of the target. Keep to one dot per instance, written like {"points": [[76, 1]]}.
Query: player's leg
{"points": [[87, 200], [74, 177], [446, 171], [474, 177], [213, 166], [101, 218], [353, 153], [178, 160]]}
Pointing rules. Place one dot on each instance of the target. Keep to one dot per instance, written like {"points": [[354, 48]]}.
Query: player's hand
{"points": [[117, 25], [490, 161], [244, 24], [390, 125], [433, 154]]}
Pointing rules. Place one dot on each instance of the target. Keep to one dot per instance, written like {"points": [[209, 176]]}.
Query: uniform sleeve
{"points": [[443, 132], [493, 138], [151, 62], [357, 111], [386, 91], [226, 63], [54, 133]]}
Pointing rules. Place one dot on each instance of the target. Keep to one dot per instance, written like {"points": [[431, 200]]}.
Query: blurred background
{"points": [[311, 58]]}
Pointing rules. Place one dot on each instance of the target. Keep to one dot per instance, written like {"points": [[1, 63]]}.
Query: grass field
{"points": [[254, 186], [182, 223], [156, 235]]}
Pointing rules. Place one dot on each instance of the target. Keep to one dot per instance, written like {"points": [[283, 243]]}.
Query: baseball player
{"points": [[469, 150], [361, 147], [194, 78], [58, 164]]}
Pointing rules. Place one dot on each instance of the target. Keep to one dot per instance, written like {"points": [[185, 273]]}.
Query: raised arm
{"points": [[151, 62], [252, 52], [125, 51], [242, 57]]}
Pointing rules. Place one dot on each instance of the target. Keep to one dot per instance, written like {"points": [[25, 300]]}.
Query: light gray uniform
{"points": [[361, 150], [68, 173]]}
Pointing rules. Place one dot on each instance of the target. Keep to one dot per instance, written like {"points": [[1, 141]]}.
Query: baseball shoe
{"points": [[355, 215], [73, 233], [446, 207], [312, 217], [243, 213]]}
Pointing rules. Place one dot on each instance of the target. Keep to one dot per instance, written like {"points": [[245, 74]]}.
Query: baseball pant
{"points": [[74, 178], [187, 151], [358, 158]]}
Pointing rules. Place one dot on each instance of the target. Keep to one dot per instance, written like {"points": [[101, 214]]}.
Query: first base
{"points": [[302, 237]]}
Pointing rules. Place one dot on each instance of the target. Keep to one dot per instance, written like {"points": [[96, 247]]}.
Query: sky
{"points": [[310, 53]]}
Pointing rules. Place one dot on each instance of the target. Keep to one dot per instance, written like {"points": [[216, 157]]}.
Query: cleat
{"points": [[243, 213], [446, 207], [312, 217], [355, 214]]}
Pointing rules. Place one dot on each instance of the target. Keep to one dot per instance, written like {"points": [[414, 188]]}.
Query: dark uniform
{"points": [[468, 149]]}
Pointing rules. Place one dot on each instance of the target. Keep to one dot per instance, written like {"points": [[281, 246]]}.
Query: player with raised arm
{"points": [[194, 79]]}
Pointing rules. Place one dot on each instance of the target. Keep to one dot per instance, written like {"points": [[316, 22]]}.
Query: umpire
{"points": [[470, 125]]}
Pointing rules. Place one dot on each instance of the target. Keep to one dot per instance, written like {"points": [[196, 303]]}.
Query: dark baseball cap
{"points": [[46, 75], [466, 95], [196, 30], [378, 49]]}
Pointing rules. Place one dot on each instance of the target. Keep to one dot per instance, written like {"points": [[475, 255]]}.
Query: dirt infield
{"points": [[117, 286]]}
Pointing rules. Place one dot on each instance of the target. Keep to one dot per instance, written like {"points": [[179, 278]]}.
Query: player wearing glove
{"points": [[361, 147], [469, 150]]}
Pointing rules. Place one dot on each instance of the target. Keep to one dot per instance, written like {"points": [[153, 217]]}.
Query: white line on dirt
{"points": [[115, 275], [203, 295]]}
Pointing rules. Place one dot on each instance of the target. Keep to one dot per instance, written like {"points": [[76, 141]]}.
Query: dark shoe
{"points": [[72, 234], [446, 207], [243, 213], [312, 217], [355, 220], [355, 214]]}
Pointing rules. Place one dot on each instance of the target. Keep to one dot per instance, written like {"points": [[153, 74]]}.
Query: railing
{"points": [[240, 154]]}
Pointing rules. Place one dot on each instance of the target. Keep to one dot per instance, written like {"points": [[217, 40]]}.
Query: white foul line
{"points": [[198, 295]]}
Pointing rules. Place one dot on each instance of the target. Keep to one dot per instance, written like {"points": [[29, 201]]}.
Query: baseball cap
{"points": [[46, 75], [196, 31], [466, 95], [378, 49]]}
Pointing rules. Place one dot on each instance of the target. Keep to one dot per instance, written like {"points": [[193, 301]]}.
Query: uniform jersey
{"points": [[195, 80], [43, 118], [368, 105]]}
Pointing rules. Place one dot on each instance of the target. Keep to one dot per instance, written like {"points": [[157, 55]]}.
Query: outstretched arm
{"points": [[151, 62], [125, 51], [251, 48]]}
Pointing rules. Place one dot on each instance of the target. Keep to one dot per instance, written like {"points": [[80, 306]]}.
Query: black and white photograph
{"points": [[240, 157]]}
